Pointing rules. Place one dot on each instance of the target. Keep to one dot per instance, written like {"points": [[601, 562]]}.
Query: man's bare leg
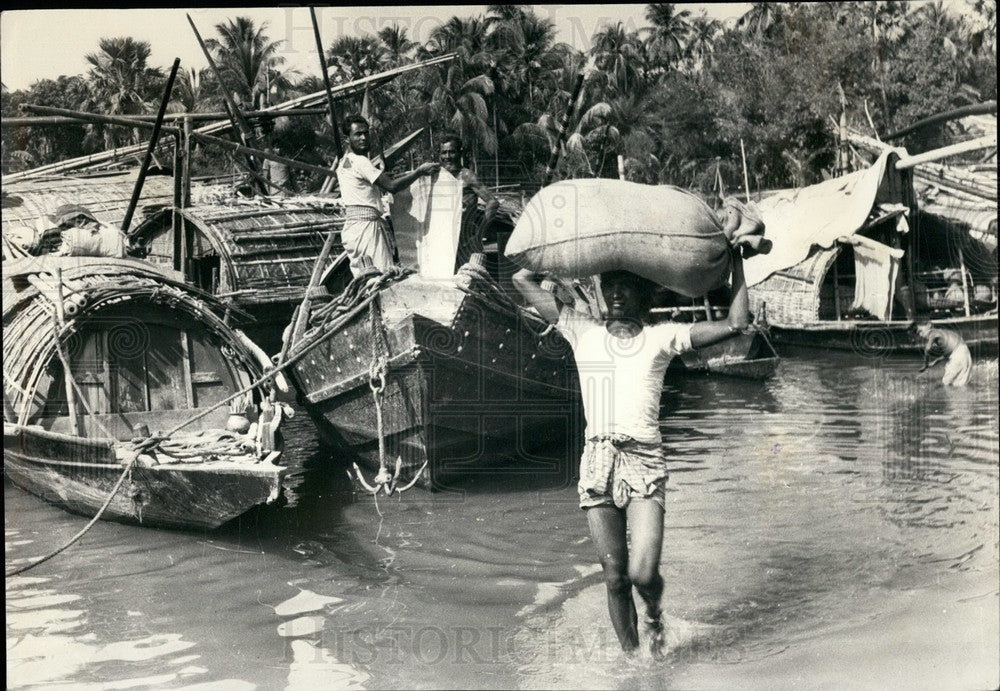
{"points": [[607, 528]]}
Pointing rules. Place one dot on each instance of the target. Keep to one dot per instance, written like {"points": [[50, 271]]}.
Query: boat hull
{"points": [[77, 474], [747, 355], [879, 339], [466, 386]]}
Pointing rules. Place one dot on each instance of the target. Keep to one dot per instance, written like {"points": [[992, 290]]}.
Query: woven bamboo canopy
{"points": [[793, 294], [30, 203], [266, 250], [91, 289]]}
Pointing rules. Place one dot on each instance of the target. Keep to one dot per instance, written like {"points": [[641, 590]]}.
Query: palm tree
{"points": [[397, 48], [984, 26], [194, 91], [701, 42], [354, 57], [249, 62], [121, 82], [524, 44], [119, 75], [454, 94], [668, 34], [619, 54], [760, 18]]}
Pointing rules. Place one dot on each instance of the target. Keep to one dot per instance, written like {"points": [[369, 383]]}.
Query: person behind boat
{"points": [[623, 468], [470, 239], [945, 344], [279, 174], [365, 232], [75, 232]]}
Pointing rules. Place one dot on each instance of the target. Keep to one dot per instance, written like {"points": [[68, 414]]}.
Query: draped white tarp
{"points": [[429, 215], [796, 220]]}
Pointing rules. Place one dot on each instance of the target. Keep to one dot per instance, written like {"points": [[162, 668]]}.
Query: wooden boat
{"points": [[106, 195], [145, 353], [749, 355], [924, 265], [467, 371], [255, 254]]}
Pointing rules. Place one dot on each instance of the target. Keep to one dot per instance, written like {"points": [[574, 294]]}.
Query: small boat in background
{"points": [[856, 261], [254, 254], [101, 357]]}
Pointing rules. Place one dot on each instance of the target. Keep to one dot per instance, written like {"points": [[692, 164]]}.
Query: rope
{"points": [[376, 375], [360, 292], [75, 538]]}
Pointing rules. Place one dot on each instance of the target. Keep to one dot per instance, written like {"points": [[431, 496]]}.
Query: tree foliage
{"points": [[673, 98]]}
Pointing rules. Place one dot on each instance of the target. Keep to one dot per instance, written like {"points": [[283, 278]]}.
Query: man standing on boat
{"points": [[946, 344], [470, 239], [362, 183], [623, 470]]}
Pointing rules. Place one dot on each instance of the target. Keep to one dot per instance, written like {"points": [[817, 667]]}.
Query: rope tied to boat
{"points": [[377, 371], [126, 473]]}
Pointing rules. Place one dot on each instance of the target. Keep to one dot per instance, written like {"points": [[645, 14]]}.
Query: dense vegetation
{"points": [[673, 98]]}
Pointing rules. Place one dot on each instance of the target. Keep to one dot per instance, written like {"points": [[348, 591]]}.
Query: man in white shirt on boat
{"points": [[362, 183]]}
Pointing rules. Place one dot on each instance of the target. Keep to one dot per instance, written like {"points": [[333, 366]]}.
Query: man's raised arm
{"points": [[529, 285]]}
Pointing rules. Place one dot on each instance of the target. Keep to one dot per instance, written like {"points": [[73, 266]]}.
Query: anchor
{"points": [[383, 481]]}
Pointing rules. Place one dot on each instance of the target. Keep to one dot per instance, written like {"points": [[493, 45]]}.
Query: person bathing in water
{"points": [[621, 363], [946, 344]]}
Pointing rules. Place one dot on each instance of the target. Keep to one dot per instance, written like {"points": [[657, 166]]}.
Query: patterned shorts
{"points": [[617, 468]]}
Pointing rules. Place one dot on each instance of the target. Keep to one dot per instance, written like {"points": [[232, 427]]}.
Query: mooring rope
{"points": [[75, 538], [345, 306]]}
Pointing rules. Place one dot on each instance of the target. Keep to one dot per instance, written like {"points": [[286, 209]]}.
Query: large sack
{"points": [[102, 241], [578, 228]]}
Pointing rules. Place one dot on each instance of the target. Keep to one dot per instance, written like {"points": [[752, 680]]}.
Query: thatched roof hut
{"points": [[30, 202], [249, 253]]}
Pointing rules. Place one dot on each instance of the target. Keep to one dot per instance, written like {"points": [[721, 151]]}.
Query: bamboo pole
{"points": [[987, 142], [239, 122], [965, 284], [976, 109], [746, 178], [68, 381], [144, 168], [186, 179], [51, 120], [286, 108], [246, 134], [331, 105], [198, 136], [836, 287], [550, 169], [175, 215]]}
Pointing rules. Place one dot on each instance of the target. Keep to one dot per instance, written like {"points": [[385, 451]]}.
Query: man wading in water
{"points": [[946, 344], [365, 232], [623, 469]]}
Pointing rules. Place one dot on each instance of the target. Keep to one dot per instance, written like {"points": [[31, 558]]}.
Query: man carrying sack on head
{"points": [[365, 232]]}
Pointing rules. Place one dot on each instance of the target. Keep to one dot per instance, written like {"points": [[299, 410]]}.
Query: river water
{"points": [[834, 527]]}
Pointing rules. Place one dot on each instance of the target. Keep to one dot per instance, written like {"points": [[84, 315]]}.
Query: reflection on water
{"points": [[836, 526]]}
